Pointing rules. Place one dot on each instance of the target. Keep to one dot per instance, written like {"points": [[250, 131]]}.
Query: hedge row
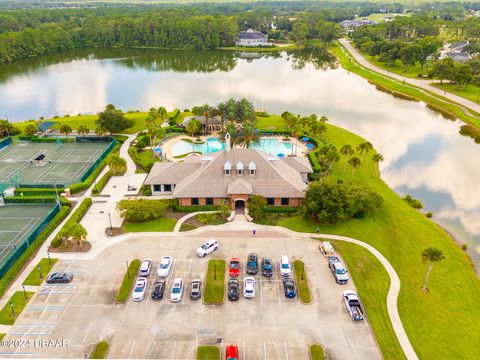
{"points": [[312, 156], [37, 191], [36, 139], [11, 274], [120, 138], [281, 209], [97, 189], [32, 199], [128, 281], [177, 129], [139, 162], [194, 208], [74, 219]]}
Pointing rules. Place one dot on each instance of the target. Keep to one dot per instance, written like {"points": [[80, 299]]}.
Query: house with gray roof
{"points": [[232, 175], [252, 38]]}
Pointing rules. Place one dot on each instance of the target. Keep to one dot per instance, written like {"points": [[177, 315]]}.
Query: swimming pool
{"points": [[213, 144]]}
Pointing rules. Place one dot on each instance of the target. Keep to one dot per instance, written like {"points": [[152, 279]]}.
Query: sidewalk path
{"points": [[180, 221], [424, 84]]}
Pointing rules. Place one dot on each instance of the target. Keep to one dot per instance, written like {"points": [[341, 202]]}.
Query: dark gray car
{"points": [[252, 264], [158, 290], [233, 289], [59, 278]]}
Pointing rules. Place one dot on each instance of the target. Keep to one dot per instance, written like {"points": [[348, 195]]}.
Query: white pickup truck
{"points": [[353, 304]]}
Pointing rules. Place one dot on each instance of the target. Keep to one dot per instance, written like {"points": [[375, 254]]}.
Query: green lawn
{"points": [[215, 286], [100, 350], [410, 71], [401, 233], [89, 121], [317, 352], [271, 122], [160, 224], [372, 282], [303, 289], [208, 352], [34, 277], [396, 87], [19, 303], [470, 92], [128, 281]]}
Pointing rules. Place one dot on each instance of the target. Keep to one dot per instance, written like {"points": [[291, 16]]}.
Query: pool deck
{"points": [[167, 145]]}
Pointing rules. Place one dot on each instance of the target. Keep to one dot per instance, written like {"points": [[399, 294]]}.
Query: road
{"points": [[424, 84]]}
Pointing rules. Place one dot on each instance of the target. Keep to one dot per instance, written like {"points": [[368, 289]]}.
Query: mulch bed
{"points": [[72, 248]]}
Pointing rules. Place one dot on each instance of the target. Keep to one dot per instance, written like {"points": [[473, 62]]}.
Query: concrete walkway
{"points": [[423, 84]]}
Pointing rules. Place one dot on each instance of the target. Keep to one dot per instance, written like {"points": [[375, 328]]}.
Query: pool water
{"points": [[212, 145]]}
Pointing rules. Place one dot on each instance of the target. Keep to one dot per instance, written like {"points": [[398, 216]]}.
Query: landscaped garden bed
{"points": [[215, 282]]}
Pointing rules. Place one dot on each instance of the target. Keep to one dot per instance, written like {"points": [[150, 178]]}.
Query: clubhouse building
{"points": [[232, 175]]}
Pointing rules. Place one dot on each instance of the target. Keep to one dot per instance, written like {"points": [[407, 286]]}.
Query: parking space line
{"points": [[261, 293], [173, 350], [264, 350], [244, 353], [131, 350], [86, 333], [151, 286], [286, 350]]}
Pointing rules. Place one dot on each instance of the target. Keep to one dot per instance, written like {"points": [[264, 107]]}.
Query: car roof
{"points": [[284, 258], [211, 241]]}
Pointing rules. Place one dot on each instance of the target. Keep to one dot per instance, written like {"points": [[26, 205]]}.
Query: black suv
{"points": [[158, 290], [252, 264], [233, 289], [267, 267]]}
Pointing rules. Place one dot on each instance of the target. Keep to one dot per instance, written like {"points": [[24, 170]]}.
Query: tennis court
{"points": [[48, 163], [19, 225]]}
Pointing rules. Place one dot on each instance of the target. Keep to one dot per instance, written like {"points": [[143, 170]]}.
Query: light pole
{"points": [[49, 260], [24, 292], [13, 311], [214, 270], [110, 219], [303, 269], [39, 272], [128, 269]]}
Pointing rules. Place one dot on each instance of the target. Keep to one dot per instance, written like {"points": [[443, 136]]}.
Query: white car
{"points": [[145, 267], [164, 266], [177, 290], [139, 290], [207, 247], [285, 269], [249, 287]]}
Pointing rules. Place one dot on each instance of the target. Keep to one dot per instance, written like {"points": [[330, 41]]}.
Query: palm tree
{"points": [[377, 158], [318, 128], [83, 130], [249, 136], [364, 148], [116, 163], [205, 110], [193, 127], [244, 111], [65, 129], [101, 131], [433, 255], [355, 164], [227, 111], [232, 130], [323, 119], [346, 150]]}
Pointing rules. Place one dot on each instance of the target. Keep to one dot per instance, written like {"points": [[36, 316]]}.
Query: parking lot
{"points": [[267, 326]]}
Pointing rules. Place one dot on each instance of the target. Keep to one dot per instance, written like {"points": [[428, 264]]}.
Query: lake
{"points": [[425, 155]]}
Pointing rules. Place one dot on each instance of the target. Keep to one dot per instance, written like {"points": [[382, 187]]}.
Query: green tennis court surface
{"points": [[17, 223], [63, 165]]}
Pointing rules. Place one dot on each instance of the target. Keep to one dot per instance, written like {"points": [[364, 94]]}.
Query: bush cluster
{"points": [[74, 219], [39, 199], [194, 208], [333, 203], [128, 281], [37, 191], [143, 209], [11, 274]]}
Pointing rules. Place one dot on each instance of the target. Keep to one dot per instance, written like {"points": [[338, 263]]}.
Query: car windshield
{"points": [[341, 271], [234, 265], [252, 263], [205, 246], [267, 267], [164, 266], [176, 290], [139, 289], [285, 266]]}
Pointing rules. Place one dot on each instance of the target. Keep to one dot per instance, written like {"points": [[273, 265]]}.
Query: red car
{"points": [[231, 353], [234, 269]]}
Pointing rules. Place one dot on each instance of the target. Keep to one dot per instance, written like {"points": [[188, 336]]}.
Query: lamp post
{"points": [[214, 270], [39, 272], [13, 311], [110, 219], [303, 269], [128, 269], [24, 292], [49, 260]]}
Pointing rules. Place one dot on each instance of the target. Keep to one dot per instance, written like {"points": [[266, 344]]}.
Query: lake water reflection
{"points": [[424, 154]]}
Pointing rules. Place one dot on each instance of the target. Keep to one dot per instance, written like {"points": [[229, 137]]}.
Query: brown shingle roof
{"points": [[170, 173]]}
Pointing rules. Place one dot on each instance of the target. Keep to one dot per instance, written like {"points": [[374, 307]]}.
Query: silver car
{"points": [[196, 289]]}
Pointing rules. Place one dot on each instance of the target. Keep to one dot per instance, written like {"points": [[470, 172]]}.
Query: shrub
{"points": [[142, 209], [128, 281], [14, 270], [120, 138], [145, 165], [39, 199], [464, 247], [37, 191], [147, 190], [256, 207], [312, 156], [194, 208], [97, 189], [416, 204], [429, 214], [74, 219], [281, 209]]}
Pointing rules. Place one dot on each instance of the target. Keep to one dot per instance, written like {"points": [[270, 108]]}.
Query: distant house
{"points": [[214, 123], [252, 38], [455, 52], [352, 24]]}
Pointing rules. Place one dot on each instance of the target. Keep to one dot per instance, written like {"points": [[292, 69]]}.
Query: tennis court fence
{"points": [[9, 253], [6, 142]]}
